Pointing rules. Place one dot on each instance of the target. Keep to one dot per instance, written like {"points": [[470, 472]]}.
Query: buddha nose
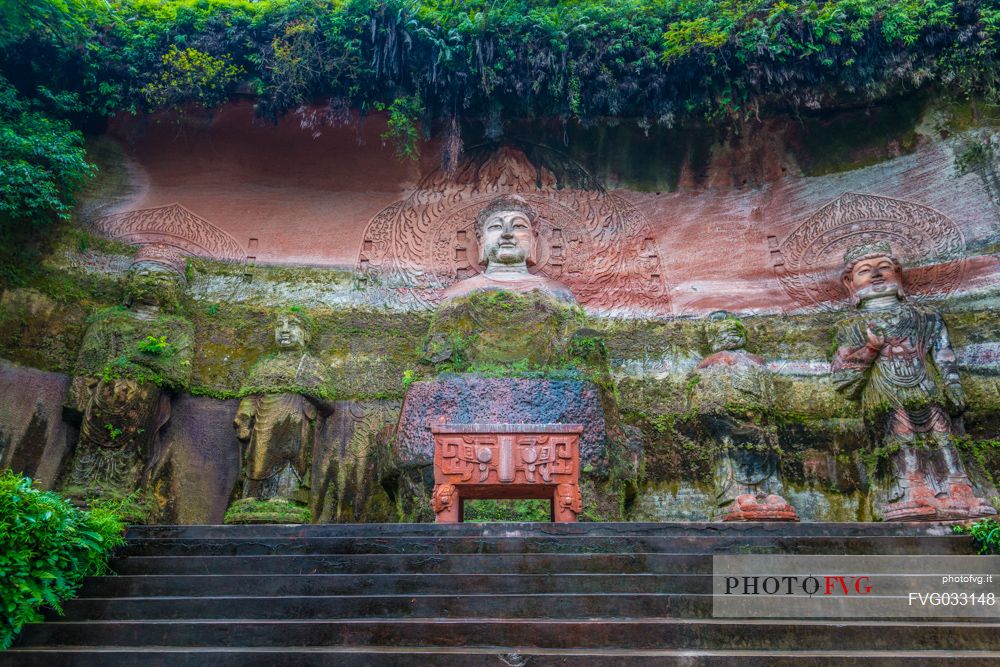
{"points": [[508, 232]]}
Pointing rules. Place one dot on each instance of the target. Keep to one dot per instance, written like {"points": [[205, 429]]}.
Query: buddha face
{"points": [[507, 238], [873, 277], [151, 285], [728, 335], [289, 333]]}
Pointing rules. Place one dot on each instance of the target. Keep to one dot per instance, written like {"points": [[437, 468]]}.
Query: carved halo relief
{"points": [[808, 262], [171, 230], [596, 243]]}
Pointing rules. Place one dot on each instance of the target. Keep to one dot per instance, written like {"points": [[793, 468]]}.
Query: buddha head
{"points": [[290, 331], [152, 285], [726, 332], [872, 271], [507, 231]]}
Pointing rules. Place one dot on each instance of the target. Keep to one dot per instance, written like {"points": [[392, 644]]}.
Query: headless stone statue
{"points": [[131, 358], [896, 360], [732, 392], [507, 232], [278, 425]]}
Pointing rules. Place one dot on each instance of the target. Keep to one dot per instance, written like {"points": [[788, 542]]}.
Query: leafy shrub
{"points": [[154, 345], [190, 75], [47, 547], [507, 510], [42, 161], [985, 534]]}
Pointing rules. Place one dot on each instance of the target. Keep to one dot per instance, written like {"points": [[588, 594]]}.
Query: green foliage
{"points": [[154, 345], [985, 534], [404, 113], [42, 161], [189, 75], [408, 378], [507, 510], [47, 547], [275, 510]]}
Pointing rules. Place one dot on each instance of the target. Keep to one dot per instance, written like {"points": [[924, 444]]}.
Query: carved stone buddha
{"points": [[279, 425], [130, 359], [896, 360], [733, 395], [507, 233]]}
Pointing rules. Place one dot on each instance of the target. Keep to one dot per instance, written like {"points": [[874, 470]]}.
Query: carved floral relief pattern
{"points": [[808, 262], [173, 226], [596, 243]]}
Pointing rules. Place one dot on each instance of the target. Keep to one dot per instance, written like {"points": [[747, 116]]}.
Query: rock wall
{"points": [[631, 233], [755, 221]]}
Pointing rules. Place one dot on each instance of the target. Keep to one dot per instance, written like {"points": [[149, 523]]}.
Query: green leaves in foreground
{"points": [[47, 547], [985, 533]]}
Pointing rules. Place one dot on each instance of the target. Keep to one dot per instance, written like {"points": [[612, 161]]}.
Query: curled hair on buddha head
{"points": [[863, 251], [506, 203]]}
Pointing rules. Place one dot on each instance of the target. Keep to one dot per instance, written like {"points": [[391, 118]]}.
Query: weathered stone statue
{"points": [[507, 233], [733, 395], [130, 360], [896, 360], [278, 421]]}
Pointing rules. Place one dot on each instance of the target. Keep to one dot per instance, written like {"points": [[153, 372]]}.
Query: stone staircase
{"points": [[476, 594]]}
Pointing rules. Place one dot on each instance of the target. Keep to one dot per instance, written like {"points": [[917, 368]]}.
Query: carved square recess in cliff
{"points": [[808, 262], [596, 243], [172, 230]]}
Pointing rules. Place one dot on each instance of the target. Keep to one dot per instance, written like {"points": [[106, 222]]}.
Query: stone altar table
{"points": [[506, 461]]}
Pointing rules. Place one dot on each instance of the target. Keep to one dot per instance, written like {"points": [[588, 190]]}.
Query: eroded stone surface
{"points": [[471, 399], [896, 359]]}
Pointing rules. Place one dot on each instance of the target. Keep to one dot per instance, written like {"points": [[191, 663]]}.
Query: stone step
{"points": [[658, 634], [465, 564], [320, 545], [304, 585], [386, 584], [295, 656], [762, 528], [482, 605]]}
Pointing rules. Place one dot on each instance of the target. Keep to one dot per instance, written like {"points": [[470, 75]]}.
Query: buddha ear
{"points": [[532, 257], [482, 253]]}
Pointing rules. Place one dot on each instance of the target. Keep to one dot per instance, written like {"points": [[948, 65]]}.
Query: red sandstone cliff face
{"points": [[753, 222]]}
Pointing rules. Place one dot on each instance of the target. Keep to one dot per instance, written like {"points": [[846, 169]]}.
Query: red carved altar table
{"points": [[506, 461]]}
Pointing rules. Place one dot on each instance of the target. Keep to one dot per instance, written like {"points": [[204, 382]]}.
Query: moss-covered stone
{"points": [[275, 510], [501, 329]]}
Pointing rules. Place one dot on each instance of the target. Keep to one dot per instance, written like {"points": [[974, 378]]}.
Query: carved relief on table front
{"points": [[174, 227], [807, 262], [506, 459], [596, 243]]}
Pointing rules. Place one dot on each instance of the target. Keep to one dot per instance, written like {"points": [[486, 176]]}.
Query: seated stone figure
{"points": [[507, 233], [278, 422], [895, 358], [733, 394], [130, 360]]}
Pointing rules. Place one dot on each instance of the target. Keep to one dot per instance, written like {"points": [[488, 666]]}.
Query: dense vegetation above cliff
{"points": [[434, 65]]}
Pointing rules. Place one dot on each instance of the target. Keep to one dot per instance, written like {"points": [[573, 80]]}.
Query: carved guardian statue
{"points": [[896, 360], [733, 395], [131, 358]]}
